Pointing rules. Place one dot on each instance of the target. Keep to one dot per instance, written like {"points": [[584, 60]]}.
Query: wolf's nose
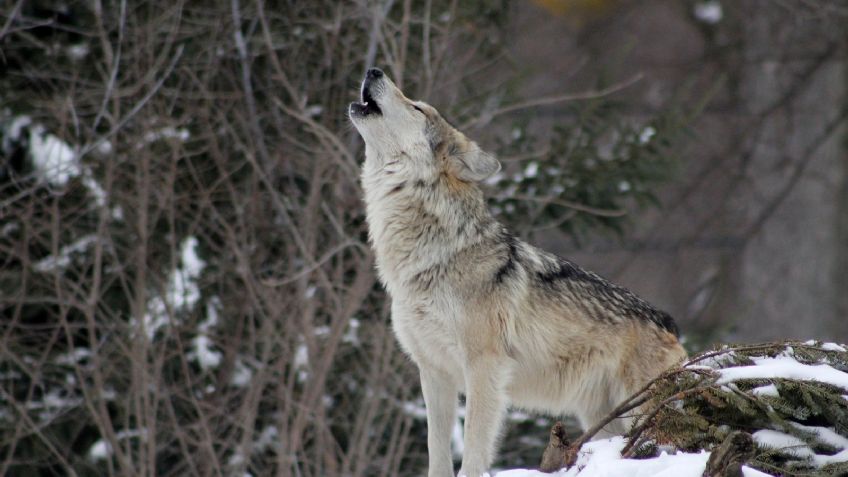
{"points": [[374, 73]]}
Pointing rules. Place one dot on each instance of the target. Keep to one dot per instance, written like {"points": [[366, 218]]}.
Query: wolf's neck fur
{"points": [[413, 219]]}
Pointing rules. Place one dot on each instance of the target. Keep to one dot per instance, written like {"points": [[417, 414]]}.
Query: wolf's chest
{"points": [[428, 333]]}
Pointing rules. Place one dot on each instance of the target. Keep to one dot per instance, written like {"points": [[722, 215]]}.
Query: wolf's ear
{"points": [[474, 165]]}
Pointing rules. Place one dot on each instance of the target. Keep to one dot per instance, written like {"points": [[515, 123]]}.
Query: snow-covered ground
{"points": [[602, 458]]}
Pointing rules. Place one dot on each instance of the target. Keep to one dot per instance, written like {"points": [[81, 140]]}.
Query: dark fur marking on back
{"points": [[607, 297], [511, 262]]}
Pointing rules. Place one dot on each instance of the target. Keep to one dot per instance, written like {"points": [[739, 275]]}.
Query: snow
{"points": [[55, 161], [301, 356], [784, 367], [310, 292], [72, 358], [784, 442], [457, 439], [711, 362], [241, 375], [646, 135], [78, 51], [532, 170], [63, 259], [267, 438], [99, 450], [182, 291], [93, 187], [415, 409], [202, 350], [494, 179], [602, 458], [167, 132], [301, 361], [15, 128], [9, 228], [709, 11], [827, 346], [204, 354], [796, 447], [192, 264], [767, 390], [351, 336], [825, 434], [833, 347], [104, 147], [314, 111]]}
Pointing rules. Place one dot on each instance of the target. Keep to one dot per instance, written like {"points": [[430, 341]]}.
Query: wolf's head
{"points": [[396, 128]]}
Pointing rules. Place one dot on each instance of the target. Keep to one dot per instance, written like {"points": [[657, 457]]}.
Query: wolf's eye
{"points": [[418, 109]]}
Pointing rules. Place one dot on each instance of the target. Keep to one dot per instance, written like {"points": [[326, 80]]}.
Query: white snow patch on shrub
{"points": [[351, 336], [78, 51], [833, 347], [72, 358], [203, 353], [709, 11], [314, 111], [15, 128], [825, 434], [796, 447], [646, 135], [182, 292], [301, 361], [415, 409], [783, 442], [100, 450], [54, 160], [167, 132], [767, 390], [241, 375], [63, 258], [784, 367]]}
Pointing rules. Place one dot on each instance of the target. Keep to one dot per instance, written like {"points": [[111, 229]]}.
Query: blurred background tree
{"points": [[186, 285]]}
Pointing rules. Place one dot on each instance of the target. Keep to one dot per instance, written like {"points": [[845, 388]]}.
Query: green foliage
{"points": [[596, 165], [698, 413]]}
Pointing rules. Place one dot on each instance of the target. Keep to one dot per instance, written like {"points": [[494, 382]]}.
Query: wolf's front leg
{"points": [[485, 405], [440, 396]]}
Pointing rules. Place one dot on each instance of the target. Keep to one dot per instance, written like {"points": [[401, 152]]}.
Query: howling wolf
{"points": [[479, 311]]}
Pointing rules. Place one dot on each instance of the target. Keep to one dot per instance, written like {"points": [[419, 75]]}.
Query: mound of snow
{"points": [[602, 458]]}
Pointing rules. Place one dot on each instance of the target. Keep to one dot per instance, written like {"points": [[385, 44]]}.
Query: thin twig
{"points": [[548, 100]]}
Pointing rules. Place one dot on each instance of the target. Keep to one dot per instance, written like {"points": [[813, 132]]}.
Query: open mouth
{"points": [[368, 105]]}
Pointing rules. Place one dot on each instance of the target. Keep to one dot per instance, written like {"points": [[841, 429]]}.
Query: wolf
{"points": [[479, 311]]}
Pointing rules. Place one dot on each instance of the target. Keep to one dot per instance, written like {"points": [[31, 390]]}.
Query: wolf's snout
{"points": [[371, 88], [373, 73]]}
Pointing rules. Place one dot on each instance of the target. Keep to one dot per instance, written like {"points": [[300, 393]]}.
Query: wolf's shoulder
{"points": [[557, 275]]}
